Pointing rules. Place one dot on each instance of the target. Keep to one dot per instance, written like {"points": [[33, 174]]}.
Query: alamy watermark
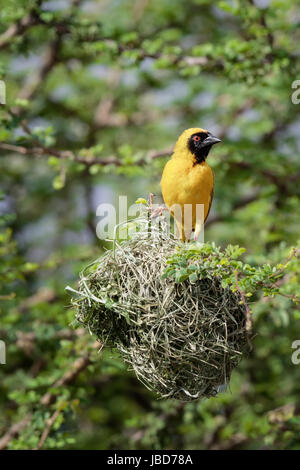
{"points": [[2, 352], [296, 94], [296, 354], [186, 220], [2, 92]]}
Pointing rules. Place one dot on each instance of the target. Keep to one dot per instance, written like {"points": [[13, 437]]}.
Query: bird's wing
{"points": [[210, 203]]}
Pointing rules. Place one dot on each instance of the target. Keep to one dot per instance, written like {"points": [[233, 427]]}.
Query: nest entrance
{"points": [[182, 340]]}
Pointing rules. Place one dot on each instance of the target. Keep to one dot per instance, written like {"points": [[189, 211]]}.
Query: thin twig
{"points": [[88, 161], [247, 309], [47, 430], [20, 26]]}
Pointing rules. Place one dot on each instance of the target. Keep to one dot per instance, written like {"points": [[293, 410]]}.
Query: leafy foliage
{"points": [[195, 262]]}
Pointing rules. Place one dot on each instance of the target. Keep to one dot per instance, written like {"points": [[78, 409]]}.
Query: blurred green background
{"points": [[97, 94]]}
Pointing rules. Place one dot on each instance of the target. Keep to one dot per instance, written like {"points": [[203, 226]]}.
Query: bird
{"points": [[187, 181]]}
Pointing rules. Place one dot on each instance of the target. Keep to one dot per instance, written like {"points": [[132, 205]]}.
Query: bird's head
{"points": [[197, 142]]}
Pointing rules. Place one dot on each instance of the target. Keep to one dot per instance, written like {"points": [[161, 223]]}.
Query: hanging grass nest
{"points": [[182, 339]]}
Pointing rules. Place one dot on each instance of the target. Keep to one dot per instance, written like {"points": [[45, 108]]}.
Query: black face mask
{"points": [[200, 144]]}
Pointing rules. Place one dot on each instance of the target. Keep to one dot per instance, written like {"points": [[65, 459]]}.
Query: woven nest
{"points": [[182, 340]]}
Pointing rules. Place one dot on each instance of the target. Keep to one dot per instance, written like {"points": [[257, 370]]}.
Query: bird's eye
{"points": [[196, 138]]}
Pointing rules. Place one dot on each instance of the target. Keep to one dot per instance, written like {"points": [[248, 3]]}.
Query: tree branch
{"points": [[49, 59], [67, 154], [247, 309], [14, 430], [47, 430], [69, 376], [21, 26]]}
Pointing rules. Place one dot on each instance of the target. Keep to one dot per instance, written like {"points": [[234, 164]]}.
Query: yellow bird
{"points": [[188, 181]]}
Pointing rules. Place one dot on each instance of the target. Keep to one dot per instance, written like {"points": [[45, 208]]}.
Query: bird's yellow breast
{"points": [[184, 182]]}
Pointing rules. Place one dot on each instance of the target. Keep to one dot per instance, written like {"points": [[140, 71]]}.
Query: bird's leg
{"points": [[197, 230], [188, 235], [181, 232]]}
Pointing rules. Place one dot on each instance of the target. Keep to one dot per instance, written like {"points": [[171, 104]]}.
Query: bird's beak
{"points": [[211, 140]]}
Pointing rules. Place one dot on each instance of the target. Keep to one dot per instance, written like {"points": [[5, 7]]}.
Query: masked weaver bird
{"points": [[188, 181]]}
